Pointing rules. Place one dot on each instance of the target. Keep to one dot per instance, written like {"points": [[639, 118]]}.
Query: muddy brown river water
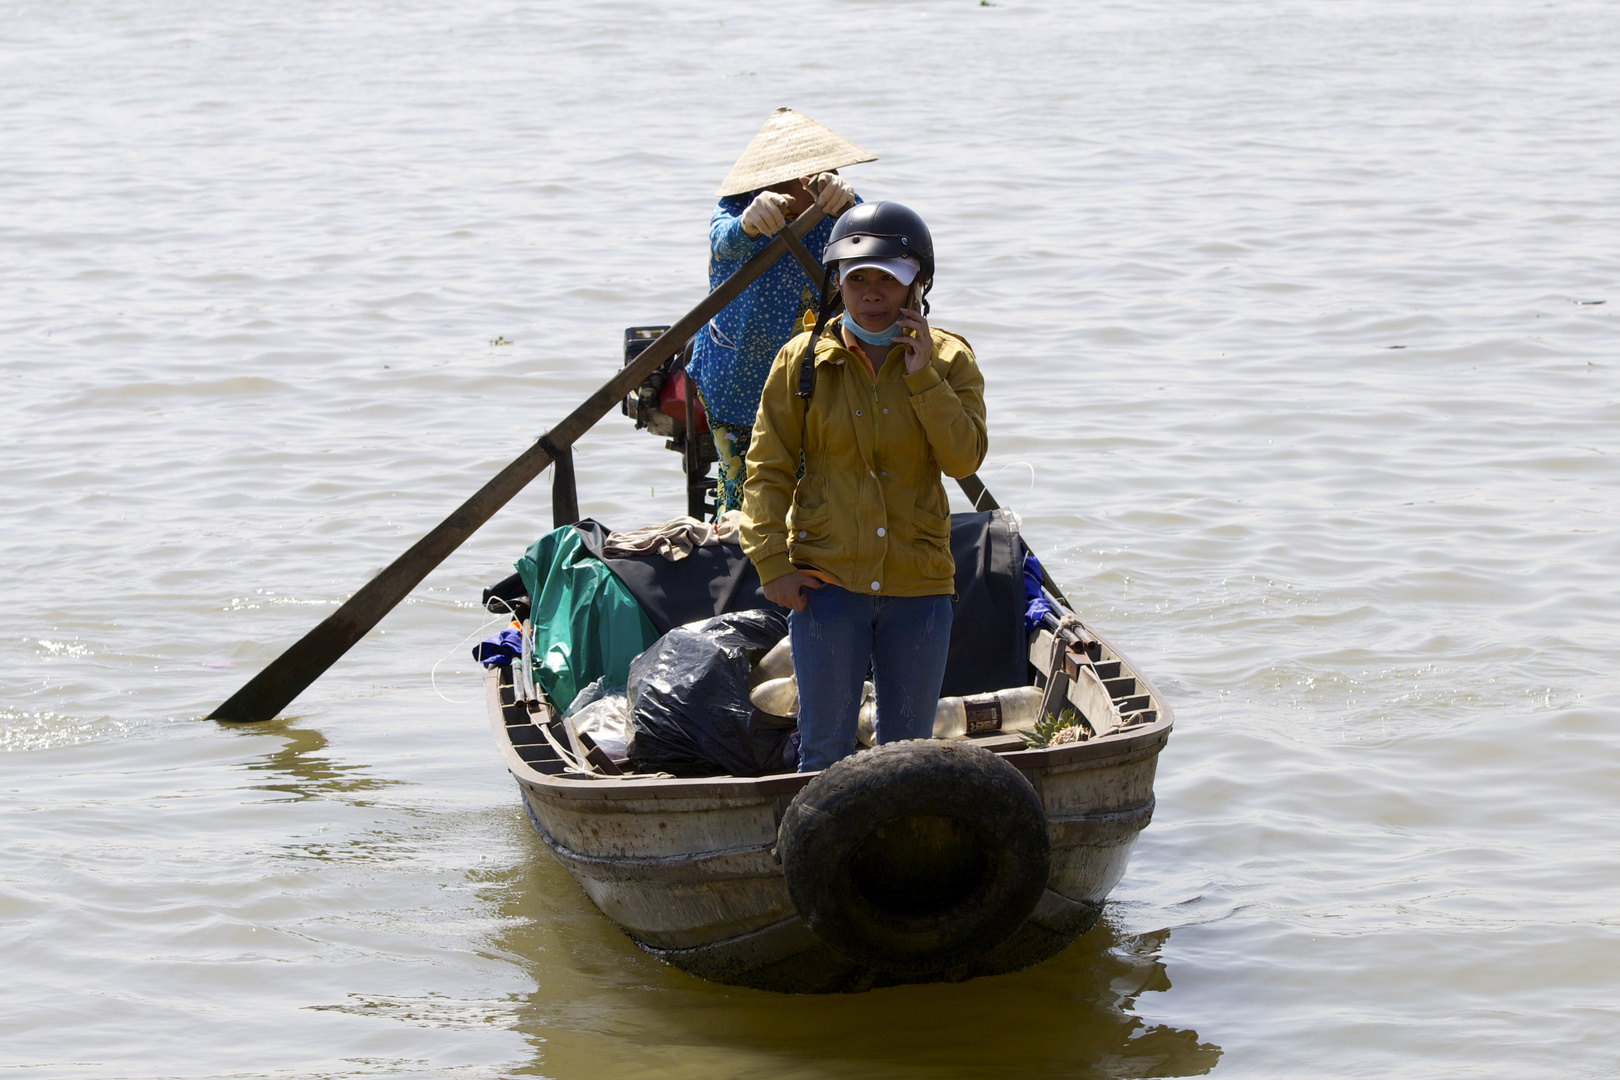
{"points": [[1299, 326]]}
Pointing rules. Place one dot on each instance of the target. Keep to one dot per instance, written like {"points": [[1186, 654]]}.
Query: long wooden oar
{"points": [[272, 689]]}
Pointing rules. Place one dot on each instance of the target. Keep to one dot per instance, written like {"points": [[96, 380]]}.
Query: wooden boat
{"points": [[693, 868], [687, 866]]}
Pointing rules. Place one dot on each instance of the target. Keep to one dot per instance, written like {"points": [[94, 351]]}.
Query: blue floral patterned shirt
{"points": [[733, 353]]}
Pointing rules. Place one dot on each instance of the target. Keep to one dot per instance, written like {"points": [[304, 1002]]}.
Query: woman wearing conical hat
{"points": [[790, 165]]}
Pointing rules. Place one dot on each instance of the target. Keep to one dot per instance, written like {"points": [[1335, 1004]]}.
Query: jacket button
{"points": [[857, 412], [803, 533], [885, 412], [876, 586], [882, 532]]}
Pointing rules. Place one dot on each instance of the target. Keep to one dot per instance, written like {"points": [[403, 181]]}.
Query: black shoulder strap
{"points": [[807, 366]]}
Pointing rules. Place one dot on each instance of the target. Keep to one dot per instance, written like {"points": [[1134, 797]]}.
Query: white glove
{"points": [[835, 195], [766, 215]]}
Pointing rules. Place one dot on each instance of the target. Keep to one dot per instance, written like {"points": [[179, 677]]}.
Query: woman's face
{"points": [[803, 198], [873, 297]]}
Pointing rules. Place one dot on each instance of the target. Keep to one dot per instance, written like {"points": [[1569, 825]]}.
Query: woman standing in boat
{"points": [[789, 166], [876, 405]]}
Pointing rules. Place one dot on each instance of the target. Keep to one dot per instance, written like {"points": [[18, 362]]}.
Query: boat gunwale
{"points": [[1113, 749]]}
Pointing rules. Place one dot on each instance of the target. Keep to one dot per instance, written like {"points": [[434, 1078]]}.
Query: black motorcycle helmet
{"points": [[882, 230]]}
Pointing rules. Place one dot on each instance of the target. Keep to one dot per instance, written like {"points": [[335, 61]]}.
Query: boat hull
{"points": [[687, 866]]}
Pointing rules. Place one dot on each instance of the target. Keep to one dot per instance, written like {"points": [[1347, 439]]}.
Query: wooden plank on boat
{"points": [[1086, 692]]}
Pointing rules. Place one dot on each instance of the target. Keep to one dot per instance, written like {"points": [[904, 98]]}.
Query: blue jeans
{"points": [[837, 639]]}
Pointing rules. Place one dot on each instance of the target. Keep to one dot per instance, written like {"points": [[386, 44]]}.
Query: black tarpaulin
{"points": [[988, 648], [688, 695]]}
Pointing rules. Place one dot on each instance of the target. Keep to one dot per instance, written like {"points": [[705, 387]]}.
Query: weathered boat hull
{"points": [[687, 866]]}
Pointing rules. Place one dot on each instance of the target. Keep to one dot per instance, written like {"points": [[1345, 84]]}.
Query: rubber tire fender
{"points": [[915, 856]]}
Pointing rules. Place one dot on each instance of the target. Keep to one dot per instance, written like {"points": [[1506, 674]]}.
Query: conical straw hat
{"points": [[789, 146]]}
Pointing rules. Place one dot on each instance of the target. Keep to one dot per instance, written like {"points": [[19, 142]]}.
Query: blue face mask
{"points": [[881, 337]]}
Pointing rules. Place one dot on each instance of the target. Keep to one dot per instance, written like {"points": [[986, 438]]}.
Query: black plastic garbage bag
{"points": [[689, 708]]}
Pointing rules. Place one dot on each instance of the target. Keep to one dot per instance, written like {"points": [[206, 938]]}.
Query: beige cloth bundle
{"points": [[674, 539]]}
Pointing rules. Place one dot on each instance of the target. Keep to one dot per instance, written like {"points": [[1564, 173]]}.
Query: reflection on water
{"points": [[602, 1007], [305, 769], [311, 774]]}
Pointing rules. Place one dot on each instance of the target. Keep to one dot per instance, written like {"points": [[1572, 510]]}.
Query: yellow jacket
{"points": [[870, 511]]}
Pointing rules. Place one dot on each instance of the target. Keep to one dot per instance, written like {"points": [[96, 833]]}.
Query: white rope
{"points": [[569, 758], [433, 674]]}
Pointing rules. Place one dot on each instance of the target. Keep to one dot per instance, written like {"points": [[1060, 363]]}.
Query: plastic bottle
{"points": [[775, 664], [1015, 709], [866, 719], [776, 697]]}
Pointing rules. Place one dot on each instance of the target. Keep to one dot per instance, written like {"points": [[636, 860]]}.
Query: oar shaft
{"points": [[812, 268], [287, 676]]}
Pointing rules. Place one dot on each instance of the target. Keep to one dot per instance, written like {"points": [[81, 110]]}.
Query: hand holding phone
{"points": [[915, 337]]}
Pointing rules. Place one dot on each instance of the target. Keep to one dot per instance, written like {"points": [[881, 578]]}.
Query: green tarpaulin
{"points": [[586, 624]]}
